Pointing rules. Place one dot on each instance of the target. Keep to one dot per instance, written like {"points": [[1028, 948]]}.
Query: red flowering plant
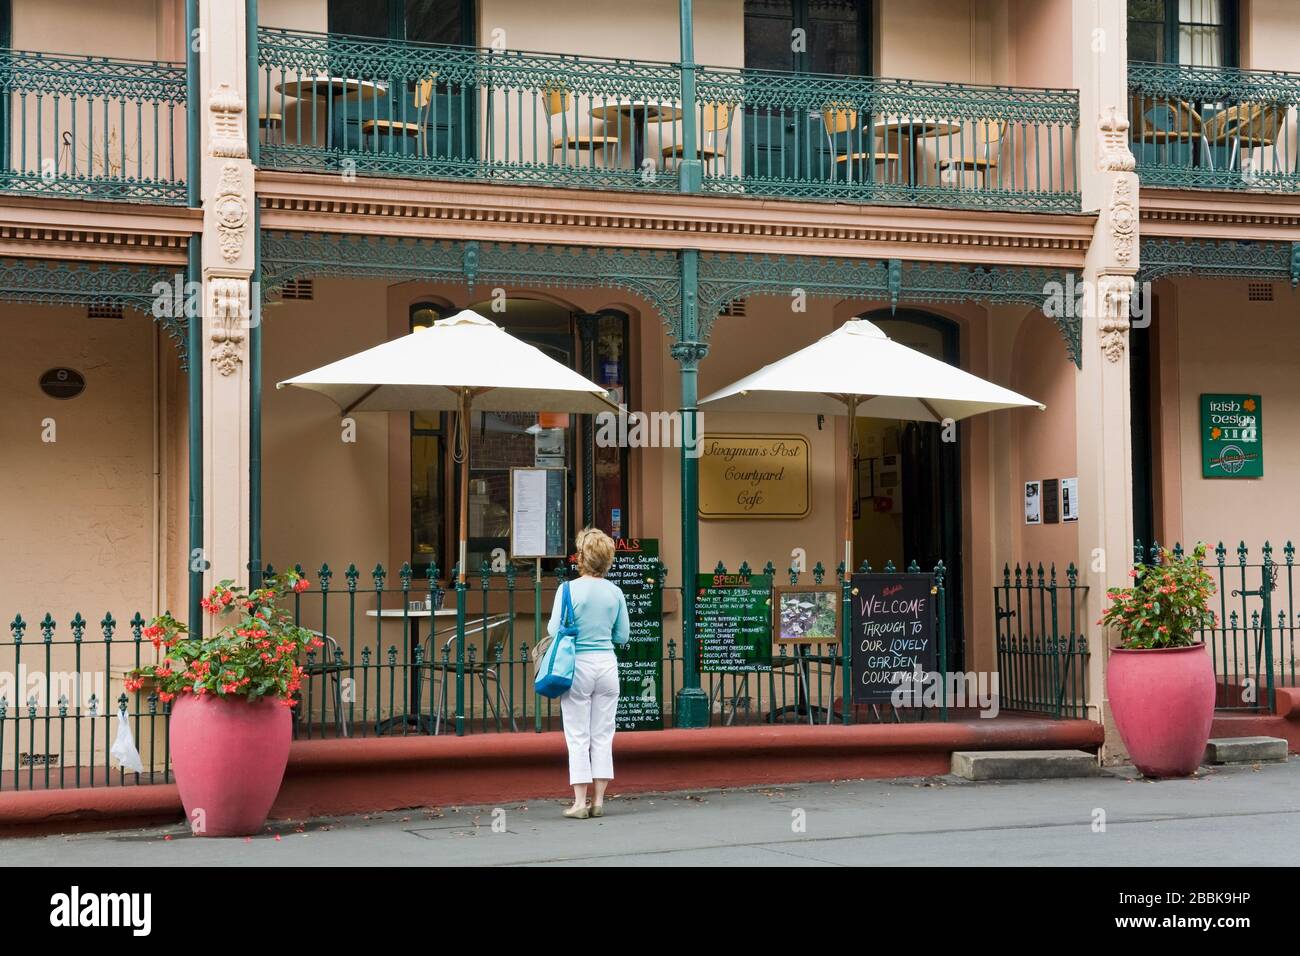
{"points": [[254, 653], [1167, 604]]}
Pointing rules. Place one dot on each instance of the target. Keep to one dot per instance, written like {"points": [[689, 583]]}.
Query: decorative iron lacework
{"points": [[726, 277], [1234, 259], [50, 282], [653, 276], [93, 127], [1211, 108]]}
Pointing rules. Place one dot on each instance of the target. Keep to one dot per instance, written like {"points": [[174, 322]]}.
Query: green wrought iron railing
{"points": [[1253, 640], [92, 127], [875, 140], [1214, 127], [1042, 646], [332, 103]]}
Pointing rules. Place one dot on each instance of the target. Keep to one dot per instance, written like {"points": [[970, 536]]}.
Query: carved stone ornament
{"points": [[1112, 141], [226, 124], [230, 208], [229, 309], [1123, 220], [1113, 296]]}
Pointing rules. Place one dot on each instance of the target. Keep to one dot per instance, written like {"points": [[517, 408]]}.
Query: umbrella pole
{"points": [[848, 487], [463, 439]]}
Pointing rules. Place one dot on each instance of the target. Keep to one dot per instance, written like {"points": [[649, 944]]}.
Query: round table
{"points": [[639, 113], [906, 131], [414, 615], [313, 88]]}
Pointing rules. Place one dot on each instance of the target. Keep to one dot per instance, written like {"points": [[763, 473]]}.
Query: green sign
{"points": [[733, 622], [641, 659], [1232, 436]]}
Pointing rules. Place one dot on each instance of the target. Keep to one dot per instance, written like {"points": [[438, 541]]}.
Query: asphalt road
{"points": [[1228, 816]]}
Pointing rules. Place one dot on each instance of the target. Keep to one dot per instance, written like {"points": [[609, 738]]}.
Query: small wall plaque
{"points": [[63, 383]]}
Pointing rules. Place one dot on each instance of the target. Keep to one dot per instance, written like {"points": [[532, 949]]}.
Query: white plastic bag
{"points": [[124, 747]]}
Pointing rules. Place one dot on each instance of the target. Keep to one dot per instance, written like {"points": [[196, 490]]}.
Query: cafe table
{"points": [[636, 113], [314, 88], [908, 132], [423, 722]]}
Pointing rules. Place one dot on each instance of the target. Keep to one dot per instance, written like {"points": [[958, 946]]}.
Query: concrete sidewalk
{"points": [[1223, 817]]}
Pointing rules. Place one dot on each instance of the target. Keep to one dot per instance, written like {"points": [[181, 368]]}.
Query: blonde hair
{"points": [[595, 552]]}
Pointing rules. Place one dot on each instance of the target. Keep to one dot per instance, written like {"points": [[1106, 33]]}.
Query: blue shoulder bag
{"points": [[555, 668]]}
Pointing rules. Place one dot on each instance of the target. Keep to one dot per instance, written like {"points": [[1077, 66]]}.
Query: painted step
{"points": [[1230, 750], [1023, 764]]}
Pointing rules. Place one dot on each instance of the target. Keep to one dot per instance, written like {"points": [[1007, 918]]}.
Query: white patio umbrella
{"points": [[857, 369], [457, 363]]}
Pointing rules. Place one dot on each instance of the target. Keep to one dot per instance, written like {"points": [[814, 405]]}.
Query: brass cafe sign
{"points": [[754, 476]]}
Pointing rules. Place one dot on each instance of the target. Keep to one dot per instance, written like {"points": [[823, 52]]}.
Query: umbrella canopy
{"points": [[858, 360], [460, 362], [858, 369], [428, 371]]}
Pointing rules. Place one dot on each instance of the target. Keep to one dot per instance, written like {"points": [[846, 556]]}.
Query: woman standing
{"points": [[589, 706]]}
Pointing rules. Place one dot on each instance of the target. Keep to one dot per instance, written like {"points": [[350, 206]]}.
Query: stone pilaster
{"points": [[228, 259]]}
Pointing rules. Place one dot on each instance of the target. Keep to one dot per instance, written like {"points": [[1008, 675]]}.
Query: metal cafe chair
{"points": [[331, 667], [1246, 126], [841, 122], [439, 657], [715, 123], [572, 133], [979, 153], [421, 98], [1162, 121]]}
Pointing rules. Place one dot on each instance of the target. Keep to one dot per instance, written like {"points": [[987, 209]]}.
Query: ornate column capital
{"points": [[1114, 292], [228, 301], [689, 354]]}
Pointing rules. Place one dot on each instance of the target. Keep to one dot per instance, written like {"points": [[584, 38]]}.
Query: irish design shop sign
{"points": [[1232, 436], [754, 476]]}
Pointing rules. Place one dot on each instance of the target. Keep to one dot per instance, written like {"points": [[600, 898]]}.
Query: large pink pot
{"points": [[229, 756], [1163, 702]]}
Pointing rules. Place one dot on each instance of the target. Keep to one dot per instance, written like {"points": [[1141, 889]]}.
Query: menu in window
{"points": [[537, 512]]}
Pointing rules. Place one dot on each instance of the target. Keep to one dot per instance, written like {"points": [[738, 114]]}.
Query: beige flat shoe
{"points": [[577, 813], [598, 810]]}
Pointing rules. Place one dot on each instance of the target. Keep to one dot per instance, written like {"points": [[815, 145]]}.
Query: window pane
{"points": [[426, 504], [1146, 41], [1200, 46], [611, 462], [769, 25], [833, 41], [363, 18], [435, 21]]}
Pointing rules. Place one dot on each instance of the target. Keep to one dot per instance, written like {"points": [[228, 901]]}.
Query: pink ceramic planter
{"points": [[1163, 703], [229, 756]]}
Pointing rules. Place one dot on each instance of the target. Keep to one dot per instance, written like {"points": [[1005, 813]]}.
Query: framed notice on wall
{"points": [[1232, 436], [537, 512]]}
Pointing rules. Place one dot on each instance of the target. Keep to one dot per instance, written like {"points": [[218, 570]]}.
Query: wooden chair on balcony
{"points": [[980, 145], [573, 133], [842, 120], [1246, 126], [421, 99], [1162, 121], [713, 135]]}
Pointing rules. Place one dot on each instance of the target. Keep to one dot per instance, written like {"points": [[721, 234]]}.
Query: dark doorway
{"points": [[910, 479]]}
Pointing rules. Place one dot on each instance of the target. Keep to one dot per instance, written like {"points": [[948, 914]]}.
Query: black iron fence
{"points": [[1042, 647]]}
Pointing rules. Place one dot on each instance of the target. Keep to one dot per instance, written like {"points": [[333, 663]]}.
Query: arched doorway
{"points": [[909, 478]]}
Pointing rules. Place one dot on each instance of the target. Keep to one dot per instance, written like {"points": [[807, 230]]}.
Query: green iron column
{"points": [[692, 705], [255, 563], [692, 169], [196, 556], [250, 44]]}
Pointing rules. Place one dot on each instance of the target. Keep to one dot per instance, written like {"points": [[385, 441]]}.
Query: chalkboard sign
{"points": [[641, 659], [733, 622], [893, 632], [537, 497]]}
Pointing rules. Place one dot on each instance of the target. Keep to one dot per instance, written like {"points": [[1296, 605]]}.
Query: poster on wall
{"points": [[1232, 436], [1069, 499], [1033, 502]]}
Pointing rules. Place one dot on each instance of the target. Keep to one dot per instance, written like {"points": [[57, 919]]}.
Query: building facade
{"points": [[1092, 202]]}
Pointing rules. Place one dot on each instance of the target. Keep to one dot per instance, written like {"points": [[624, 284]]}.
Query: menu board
{"points": [[641, 659], [733, 622], [893, 632], [537, 497]]}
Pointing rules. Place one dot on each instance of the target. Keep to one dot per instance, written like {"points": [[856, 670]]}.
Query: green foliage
{"points": [[1167, 604], [255, 654]]}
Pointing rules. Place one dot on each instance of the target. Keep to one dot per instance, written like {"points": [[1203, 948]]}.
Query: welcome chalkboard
{"points": [[733, 622], [893, 632], [641, 659]]}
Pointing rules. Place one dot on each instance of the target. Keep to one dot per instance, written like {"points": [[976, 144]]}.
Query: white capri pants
{"points": [[589, 707]]}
